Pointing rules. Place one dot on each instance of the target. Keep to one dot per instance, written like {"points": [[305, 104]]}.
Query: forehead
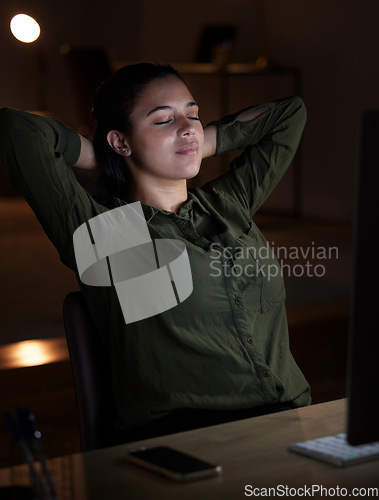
{"points": [[168, 91]]}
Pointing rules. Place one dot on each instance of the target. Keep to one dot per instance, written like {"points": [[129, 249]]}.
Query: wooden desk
{"points": [[252, 452]]}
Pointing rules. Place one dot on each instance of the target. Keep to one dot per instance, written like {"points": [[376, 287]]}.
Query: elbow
{"points": [[6, 113], [300, 110], [8, 125], [8, 120]]}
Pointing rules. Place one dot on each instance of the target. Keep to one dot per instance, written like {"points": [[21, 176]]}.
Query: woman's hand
{"points": [[86, 160], [85, 169], [210, 141]]}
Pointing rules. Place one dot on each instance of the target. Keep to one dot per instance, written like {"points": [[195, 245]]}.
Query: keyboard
{"points": [[337, 451]]}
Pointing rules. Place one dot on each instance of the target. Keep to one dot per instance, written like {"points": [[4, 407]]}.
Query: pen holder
{"points": [[26, 485]]}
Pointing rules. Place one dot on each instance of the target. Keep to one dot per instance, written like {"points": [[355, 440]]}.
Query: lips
{"points": [[189, 149]]}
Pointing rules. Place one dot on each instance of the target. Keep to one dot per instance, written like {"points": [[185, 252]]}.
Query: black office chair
{"points": [[91, 373]]}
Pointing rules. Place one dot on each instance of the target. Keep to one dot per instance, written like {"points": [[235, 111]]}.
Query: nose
{"points": [[187, 128]]}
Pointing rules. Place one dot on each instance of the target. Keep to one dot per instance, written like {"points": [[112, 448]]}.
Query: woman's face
{"points": [[166, 143]]}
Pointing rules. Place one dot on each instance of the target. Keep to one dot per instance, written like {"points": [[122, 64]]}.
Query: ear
{"points": [[118, 142]]}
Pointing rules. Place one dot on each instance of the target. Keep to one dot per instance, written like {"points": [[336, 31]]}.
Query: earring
{"points": [[125, 151]]}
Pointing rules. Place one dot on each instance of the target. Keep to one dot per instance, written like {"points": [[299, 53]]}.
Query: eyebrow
{"points": [[160, 108]]}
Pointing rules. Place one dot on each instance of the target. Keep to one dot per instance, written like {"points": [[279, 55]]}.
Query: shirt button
{"points": [[249, 340], [238, 301], [265, 374], [186, 224]]}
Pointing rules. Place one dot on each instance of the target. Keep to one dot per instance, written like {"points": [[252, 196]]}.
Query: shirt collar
{"points": [[149, 211], [195, 200]]}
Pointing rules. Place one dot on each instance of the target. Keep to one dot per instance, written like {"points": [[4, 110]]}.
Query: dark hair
{"points": [[113, 104]]}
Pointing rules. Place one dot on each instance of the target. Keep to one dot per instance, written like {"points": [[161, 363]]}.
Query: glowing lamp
{"points": [[25, 28]]}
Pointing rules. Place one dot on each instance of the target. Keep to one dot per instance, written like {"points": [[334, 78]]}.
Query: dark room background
{"points": [[335, 45]]}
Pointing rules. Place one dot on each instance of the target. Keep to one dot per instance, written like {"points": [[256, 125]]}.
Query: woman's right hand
{"points": [[86, 160]]}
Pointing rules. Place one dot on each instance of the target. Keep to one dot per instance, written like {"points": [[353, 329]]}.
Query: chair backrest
{"points": [[91, 373]]}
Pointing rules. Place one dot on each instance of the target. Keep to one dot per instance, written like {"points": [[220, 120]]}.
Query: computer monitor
{"points": [[363, 359]]}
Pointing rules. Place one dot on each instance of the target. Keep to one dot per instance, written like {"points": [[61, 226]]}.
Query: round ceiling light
{"points": [[25, 28]]}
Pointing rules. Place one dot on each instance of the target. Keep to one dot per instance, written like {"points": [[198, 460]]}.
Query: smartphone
{"points": [[173, 464]]}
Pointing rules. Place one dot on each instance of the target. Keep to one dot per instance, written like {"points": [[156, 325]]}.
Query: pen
{"points": [[28, 457], [33, 435]]}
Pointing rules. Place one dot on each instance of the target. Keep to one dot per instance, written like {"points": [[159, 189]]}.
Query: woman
{"points": [[222, 353]]}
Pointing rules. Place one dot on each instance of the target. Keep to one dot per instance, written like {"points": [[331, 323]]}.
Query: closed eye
{"points": [[164, 122]]}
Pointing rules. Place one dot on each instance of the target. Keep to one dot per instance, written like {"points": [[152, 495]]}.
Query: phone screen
{"points": [[172, 463]]}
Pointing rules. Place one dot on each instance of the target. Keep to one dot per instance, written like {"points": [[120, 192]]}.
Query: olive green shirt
{"points": [[226, 346]]}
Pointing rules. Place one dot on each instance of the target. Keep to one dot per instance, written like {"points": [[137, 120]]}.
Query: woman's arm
{"points": [[37, 154], [269, 135], [210, 132]]}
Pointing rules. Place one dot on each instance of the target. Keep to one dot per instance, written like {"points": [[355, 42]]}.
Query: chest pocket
{"points": [[267, 267]]}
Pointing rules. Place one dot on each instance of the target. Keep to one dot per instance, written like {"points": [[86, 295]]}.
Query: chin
{"points": [[192, 176], [192, 172]]}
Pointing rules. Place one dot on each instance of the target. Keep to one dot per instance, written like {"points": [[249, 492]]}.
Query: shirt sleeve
{"points": [[269, 143], [36, 153]]}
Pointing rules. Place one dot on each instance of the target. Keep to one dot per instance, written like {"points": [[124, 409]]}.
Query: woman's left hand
{"points": [[210, 141]]}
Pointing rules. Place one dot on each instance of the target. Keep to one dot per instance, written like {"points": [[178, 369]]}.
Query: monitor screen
{"points": [[363, 361]]}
